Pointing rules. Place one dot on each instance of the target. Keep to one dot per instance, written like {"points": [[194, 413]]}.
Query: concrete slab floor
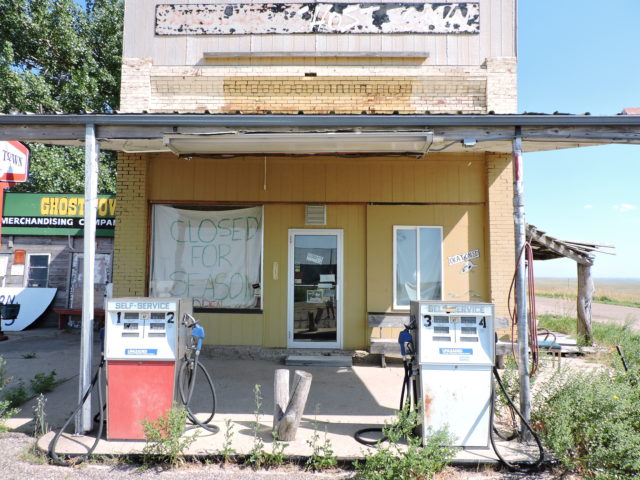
{"points": [[341, 401]]}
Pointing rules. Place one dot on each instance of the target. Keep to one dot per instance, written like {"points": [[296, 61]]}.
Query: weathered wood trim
{"points": [[340, 54], [388, 320], [558, 247]]}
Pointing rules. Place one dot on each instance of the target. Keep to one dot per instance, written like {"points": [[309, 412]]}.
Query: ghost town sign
{"points": [[284, 18]]}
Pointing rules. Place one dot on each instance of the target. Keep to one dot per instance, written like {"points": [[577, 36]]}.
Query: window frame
{"points": [[416, 228], [27, 275]]}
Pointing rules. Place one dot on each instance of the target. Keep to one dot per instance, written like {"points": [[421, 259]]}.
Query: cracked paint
{"points": [[273, 18]]}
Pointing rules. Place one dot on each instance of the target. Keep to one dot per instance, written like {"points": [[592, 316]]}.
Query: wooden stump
{"points": [[281, 392], [286, 421]]}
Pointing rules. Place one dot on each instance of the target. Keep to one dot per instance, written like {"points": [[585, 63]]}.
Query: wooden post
{"points": [[281, 392], [287, 425], [585, 298]]}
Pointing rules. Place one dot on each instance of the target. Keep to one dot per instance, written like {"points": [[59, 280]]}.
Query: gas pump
{"points": [[455, 345], [145, 338], [151, 352]]}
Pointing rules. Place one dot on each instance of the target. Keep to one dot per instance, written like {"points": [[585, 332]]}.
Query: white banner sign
{"points": [[210, 256]]}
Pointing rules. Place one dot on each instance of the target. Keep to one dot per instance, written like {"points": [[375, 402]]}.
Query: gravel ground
{"points": [[16, 463]]}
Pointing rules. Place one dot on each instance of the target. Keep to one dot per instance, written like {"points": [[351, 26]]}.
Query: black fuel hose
{"points": [[361, 436], [187, 382], [79, 458], [520, 465]]}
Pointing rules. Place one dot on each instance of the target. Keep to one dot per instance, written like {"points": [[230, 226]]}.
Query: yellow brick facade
{"points": [[130, 244], [500, 232], [321, 89]]}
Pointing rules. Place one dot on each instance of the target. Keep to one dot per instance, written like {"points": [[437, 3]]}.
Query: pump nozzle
{"points": [[198, 332], [404, 338]]}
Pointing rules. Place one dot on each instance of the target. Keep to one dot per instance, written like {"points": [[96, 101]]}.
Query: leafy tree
{"points": [[56, 56]]}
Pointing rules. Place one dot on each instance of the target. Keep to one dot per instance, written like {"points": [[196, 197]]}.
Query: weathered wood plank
{"points": [[585, 297], [323, 53], [386, 320]]}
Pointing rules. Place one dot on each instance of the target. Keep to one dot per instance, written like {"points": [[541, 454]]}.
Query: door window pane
{"points": [[418, 263], [406, 261], [430, 264]]}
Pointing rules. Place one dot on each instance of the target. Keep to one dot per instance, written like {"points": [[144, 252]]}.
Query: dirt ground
{"points": [[600, 312], [17, 463]]}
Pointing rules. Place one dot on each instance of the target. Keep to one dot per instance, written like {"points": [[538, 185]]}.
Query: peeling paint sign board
{"points": [[284, 18]]}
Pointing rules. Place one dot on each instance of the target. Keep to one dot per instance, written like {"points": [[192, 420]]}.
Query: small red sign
{"points": [[14, 162]]}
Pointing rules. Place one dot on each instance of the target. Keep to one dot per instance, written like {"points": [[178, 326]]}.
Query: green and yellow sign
{"points": [[54, 214]]}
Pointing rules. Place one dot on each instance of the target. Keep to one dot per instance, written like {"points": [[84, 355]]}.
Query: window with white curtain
{"points": [[417, 264]]}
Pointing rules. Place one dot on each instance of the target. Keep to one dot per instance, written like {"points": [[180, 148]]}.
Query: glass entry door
{"points": [[315, 288]]}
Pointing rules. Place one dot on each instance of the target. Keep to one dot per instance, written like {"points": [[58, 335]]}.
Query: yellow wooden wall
{"points": [[454, 184]]}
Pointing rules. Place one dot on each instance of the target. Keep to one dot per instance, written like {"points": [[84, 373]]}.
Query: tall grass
{"points": [[612, 291], [605, 334]]}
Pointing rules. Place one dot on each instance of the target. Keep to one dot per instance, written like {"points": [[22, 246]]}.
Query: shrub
{"points": [[43, 383], [165, 438], [591, 422], [16, 395], [7, 410], [394, 461]]}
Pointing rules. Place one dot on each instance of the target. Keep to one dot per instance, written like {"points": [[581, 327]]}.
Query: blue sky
{"points": [[577, 56]]}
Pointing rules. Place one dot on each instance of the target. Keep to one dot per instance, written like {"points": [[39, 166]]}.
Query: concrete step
{"points": [[318, 360]]}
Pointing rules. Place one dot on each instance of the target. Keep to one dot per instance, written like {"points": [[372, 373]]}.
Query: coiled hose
{"points": [[187, 382], [97, 378], [362, 436], [517, 465]]}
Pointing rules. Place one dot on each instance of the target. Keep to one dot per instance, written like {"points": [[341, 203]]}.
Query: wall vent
{"points": [[315, 215]]}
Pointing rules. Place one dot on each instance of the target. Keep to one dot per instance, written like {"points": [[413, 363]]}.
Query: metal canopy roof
{"points": [[451, 133]]}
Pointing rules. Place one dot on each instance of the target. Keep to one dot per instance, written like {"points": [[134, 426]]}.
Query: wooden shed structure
{"points": [[546, 247]]}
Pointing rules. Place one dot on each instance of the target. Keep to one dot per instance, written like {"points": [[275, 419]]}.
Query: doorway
{"points": [[315, 288]]}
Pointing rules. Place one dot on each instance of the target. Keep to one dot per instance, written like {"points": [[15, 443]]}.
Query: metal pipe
{"points": [[233, 121], [520, 288], [84, 419]]}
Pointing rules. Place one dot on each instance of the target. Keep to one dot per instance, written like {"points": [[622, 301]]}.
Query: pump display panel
{"points": [[142, 329], [451, 333]]}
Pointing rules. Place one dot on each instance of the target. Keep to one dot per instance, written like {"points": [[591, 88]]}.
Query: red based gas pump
{"points": [[145, 338]]}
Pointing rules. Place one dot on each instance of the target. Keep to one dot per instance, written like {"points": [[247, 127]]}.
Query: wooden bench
{"points": [[64, 314], [386, 346]]}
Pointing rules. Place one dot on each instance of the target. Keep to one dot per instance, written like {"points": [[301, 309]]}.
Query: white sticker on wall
{"points": [[463, 257]]}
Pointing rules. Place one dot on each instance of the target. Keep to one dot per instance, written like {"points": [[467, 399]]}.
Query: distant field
{"points": [[618, 290]]}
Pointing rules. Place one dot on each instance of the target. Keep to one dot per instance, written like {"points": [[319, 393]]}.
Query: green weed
{"points": [[590, 423], [7, 409], [256, 456], [16, 395], [165, 438], [227, 450], [43, 383], [322, 456], [40, 417], [395, 461]]}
